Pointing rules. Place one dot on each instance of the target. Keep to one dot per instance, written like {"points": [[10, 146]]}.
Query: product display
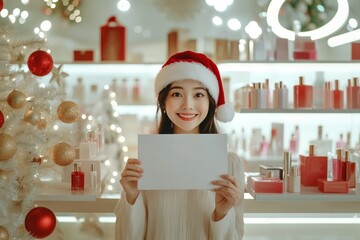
{"points": [[313, 167], [77, 179], [303, 95]]}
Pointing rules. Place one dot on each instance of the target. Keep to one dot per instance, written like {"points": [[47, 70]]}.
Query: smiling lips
{"points": [[186, 117]]}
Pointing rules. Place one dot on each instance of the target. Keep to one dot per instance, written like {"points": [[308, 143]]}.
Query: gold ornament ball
{"points": [[32, 117], [41, 124], [4, 234], [68, 112], [16, 99], [63, 154], [8, 147]]}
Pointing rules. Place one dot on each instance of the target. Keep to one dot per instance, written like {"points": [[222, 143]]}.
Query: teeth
{"points": [[187, 115]]}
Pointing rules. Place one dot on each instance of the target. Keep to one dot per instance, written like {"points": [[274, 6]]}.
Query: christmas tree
{"points": [[34, 134]]}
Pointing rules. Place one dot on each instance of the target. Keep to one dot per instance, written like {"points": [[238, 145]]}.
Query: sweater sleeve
{"points": [[130, 219], [231, 227]]}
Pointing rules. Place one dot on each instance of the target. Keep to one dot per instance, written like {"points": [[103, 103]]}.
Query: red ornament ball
{"points": [[1, 4], [2, 119], [40, 63], [40, 222]]}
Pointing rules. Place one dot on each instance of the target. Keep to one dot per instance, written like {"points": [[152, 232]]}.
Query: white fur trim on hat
{"points": [[187, 70], [225, 113]]}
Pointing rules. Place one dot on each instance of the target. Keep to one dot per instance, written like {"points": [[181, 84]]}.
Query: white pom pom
{"points": [[225, 113]]}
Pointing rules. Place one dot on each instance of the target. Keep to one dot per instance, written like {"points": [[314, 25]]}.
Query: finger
{"points": [[131, 173], [227, 193], [226, 184], [133, 167], [129, 179], [134, 161], [231, 179]]}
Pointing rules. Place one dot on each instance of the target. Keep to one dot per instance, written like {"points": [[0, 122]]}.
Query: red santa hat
{"points": [[196, 66]]}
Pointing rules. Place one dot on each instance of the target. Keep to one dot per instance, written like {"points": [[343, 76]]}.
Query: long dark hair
{"points": [[165, 125]]}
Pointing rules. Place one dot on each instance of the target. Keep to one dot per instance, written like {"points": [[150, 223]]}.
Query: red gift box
{"points": [[355, 51], [312, 169], [83, 55], [305, 55], [112, 41], [265, 185]]}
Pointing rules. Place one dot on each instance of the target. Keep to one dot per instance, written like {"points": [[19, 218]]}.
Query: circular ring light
{"points": [[332, 26]]}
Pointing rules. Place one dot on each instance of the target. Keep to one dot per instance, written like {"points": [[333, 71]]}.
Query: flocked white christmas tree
{"points": [[34, 134]]}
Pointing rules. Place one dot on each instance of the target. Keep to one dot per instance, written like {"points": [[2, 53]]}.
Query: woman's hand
{"points": [[129, 179], [227, 195]]}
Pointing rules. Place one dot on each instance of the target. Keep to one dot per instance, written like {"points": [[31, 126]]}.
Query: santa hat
{"points": [[196, 66]]}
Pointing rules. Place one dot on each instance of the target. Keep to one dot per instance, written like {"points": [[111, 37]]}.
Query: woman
{"points": [[190, 97]]}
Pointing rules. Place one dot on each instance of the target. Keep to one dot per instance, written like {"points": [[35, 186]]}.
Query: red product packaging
{"points": [[113, 41], [355, 51], [83, 55], [312, 168], [333, 186], [305, 55], [265, 185]]}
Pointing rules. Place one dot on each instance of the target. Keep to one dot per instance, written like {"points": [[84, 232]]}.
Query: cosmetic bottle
{"points": [[274, 147], [350, 172], [286, 170], [262, 97], [340, 142], [281, 96], [349, 95], [323, 146], [355, 94], [89, 147], [77, 179], [114, 87], [254, 95], [93, 177], [313, 167], [275, 101], [338, 97], [328, 96], [267, 93], [123, 91], [79, 91], [338, 166], [294, 180], [303, 95], [348, 141], [136, 91]]}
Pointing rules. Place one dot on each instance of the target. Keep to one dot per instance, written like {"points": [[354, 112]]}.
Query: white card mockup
{"points": [[182, 161]]}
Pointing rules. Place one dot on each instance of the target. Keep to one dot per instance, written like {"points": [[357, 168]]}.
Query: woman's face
{"points": [[187, 105]]}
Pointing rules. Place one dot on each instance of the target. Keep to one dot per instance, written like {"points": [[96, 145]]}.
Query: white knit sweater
{"points": [[179, 214]]}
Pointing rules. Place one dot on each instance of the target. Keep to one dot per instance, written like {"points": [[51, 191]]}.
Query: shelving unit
{"points": [[240, 73]]}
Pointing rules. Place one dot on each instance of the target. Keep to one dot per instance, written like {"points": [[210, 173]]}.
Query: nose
{"points": [[188, 103]]}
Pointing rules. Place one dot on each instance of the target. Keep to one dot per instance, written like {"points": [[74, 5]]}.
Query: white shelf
{"points": [[309, 194], [58, 191]]}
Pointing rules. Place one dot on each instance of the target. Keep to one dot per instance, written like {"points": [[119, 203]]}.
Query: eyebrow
{"points": [[196, 88]]}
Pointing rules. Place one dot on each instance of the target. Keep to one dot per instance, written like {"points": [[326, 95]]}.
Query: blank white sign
{"points": [[182, 161]]}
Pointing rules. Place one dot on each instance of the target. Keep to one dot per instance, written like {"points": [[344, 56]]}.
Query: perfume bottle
{"points": [[328, 96], [350, 174], [77, 179], [303, 95], [338, 96], [294, 180], [93, 177], [323, 146], [286, 170], [340, 142], [79, 91], [355, 93], [123, 91], [349, 95], [338, 165], [313, 167], [136, 90], [283, 96], [276, 96]]}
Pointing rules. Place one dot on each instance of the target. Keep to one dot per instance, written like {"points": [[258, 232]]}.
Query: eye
{"points": [[176, 94], [199, 95]]}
